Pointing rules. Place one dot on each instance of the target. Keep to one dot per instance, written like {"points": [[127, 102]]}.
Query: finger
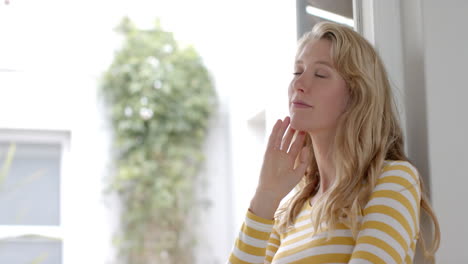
{"points": [[287, 139], [274, 131], [297, 145], [281, 129]]}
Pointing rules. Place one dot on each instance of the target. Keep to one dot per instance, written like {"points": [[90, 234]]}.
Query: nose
{"points": [[300, 89], [298, 86]]}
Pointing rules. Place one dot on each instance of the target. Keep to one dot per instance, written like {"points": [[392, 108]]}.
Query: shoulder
{"points": [[400, 168], [399, 175]]}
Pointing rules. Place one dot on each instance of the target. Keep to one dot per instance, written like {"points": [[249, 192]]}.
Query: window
{"points": [[310, 12], [31, 174]]}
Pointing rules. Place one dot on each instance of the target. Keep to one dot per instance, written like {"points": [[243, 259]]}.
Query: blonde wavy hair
{"points": [[368, 133]]}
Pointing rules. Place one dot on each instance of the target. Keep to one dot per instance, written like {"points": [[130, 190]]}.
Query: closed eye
{"points": [[320, 76], [297, 73]]}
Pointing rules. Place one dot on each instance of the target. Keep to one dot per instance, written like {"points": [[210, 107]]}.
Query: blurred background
{"points": [[134, 131]]}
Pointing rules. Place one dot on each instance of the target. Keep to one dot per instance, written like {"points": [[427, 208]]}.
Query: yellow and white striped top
{"points": [[388, 234]]}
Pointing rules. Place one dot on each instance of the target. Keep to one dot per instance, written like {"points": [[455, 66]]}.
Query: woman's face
{"points": [[318, 84]]}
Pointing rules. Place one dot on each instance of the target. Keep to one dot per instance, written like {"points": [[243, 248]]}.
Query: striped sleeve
{"points": [[390, 224], [257, 241]]}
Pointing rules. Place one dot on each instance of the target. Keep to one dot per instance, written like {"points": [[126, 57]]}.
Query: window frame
{"points": [[62, 138]]}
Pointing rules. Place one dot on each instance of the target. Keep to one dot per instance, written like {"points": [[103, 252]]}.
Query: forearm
{"points": [[264, 204]]}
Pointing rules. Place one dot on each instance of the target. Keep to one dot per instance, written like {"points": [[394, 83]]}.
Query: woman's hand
{"points": [[278, 175]]}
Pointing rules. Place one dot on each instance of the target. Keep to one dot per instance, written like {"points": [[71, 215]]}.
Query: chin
{"points": [[298, 125]]}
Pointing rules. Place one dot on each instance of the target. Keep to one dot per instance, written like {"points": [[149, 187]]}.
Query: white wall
{"points": [[415, 98], [446, 55], [263, 46], [259, 48]]}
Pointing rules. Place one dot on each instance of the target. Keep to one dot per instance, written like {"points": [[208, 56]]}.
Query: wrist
{"points": [[264, 204], [268, 195]]}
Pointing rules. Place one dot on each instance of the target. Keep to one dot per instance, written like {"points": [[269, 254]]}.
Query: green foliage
{"points": [[160, 98]]}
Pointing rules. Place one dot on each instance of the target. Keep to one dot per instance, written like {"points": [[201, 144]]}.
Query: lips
{"points": [[300, 102]]}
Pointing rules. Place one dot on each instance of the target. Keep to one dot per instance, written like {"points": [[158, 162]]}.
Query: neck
{"points": [[323, 144]]}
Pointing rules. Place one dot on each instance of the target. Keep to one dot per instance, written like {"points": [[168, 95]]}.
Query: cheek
{"points": [[290, 93], [335, 101], [290, 88]]}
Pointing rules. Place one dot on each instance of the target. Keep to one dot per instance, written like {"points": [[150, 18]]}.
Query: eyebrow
{"points": [[317, 62]]}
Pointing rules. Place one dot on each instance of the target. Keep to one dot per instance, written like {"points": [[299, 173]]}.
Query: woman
{"points": [[358, 197]]}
